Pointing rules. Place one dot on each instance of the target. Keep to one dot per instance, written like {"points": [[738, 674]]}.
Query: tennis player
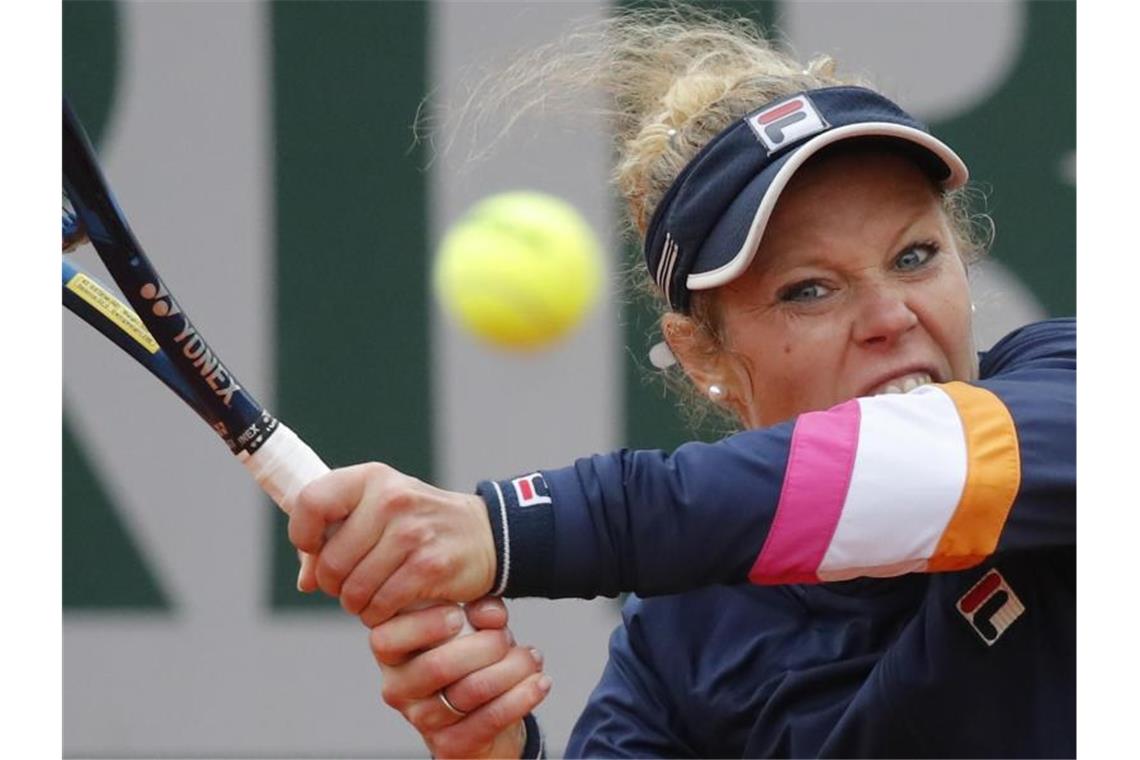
{"points": [[881, 563]]}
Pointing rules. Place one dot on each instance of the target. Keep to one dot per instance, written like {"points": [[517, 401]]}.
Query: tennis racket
{"points": [[157, 332]]}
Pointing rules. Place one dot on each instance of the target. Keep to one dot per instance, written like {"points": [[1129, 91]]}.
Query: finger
{"points": [[369, 576], [307, 575], [350, 543], [329, 499], [488, 612], [430, 714], [473, 691], [394, 642], [479, 729], [409, 584], [427, 673]]}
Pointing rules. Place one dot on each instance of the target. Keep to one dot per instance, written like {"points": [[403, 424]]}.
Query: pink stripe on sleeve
{"points": [[820, 462]]}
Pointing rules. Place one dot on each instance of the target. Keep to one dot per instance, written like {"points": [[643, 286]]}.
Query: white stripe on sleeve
{"points": [[909, 472]]}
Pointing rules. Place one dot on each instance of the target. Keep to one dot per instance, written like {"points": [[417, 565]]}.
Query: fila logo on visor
{"points": [[990, 607], [787, 122], [531, 490]]}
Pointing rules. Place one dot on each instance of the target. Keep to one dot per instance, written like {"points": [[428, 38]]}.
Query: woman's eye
{"points": [[804, 292], [915, 256]]}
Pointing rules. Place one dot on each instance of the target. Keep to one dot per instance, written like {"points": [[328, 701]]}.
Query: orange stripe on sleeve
{"points": [[993, 477]]}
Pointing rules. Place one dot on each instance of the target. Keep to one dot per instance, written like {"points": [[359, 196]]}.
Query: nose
{"points": [[884, 316]]}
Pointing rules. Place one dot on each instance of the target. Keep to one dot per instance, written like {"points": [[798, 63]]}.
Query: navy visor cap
{"points": [[706, 230]]}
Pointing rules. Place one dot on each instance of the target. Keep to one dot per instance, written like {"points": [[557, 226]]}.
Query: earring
{"points": [[716, 393]]}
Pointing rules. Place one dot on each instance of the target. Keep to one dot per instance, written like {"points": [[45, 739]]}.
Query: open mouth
{"points": [[902, 384]]}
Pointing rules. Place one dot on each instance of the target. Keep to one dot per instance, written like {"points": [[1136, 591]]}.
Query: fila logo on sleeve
{"points": [[787, 122], [531, 490], [990, 607]]}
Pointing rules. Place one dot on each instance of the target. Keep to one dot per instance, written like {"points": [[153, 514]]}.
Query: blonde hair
{"points": [[673, 79]]}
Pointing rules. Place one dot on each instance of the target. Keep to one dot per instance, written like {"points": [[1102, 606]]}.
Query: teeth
{"points": [[904, 384]]}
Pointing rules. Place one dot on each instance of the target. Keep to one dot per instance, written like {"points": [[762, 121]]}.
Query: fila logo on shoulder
{"points": [[990, 607], [787, 122], [531, 490]]}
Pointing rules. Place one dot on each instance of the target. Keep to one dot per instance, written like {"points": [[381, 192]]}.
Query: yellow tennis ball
{"points": [[520, 269]]}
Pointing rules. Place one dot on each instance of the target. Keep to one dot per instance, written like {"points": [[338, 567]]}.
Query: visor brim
{"points": [[748, 215]]}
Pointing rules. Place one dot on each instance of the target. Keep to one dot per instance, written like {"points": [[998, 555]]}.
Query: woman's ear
{"points": [[716, 373], [695, 350]]}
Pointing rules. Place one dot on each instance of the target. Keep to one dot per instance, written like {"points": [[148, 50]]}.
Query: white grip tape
{"points": [[284, 465]]}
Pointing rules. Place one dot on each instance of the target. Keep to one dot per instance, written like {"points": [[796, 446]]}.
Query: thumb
{"points": [[488, 612]]}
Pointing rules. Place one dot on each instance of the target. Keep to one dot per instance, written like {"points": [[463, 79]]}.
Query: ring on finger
{"points": [[450, 707]]}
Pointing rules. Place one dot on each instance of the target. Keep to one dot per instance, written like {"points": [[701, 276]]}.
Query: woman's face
{"points": [[858, 289]]}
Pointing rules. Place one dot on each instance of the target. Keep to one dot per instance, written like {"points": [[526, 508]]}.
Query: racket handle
{"points": [[284, 465]]}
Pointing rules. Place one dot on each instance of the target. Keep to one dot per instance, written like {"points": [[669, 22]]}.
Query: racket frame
{"points": [[233, 412]]}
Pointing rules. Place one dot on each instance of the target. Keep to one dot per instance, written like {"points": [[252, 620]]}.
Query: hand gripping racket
{"points": [[157, 332]]}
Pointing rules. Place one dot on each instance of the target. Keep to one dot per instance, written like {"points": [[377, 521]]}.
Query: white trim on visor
{"points": [[739, 263]]}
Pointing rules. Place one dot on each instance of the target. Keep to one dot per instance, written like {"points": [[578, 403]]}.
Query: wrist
{"points": [[488, 546]]}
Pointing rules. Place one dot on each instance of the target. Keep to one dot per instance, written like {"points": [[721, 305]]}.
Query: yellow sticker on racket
{"points": [[113, 309]]}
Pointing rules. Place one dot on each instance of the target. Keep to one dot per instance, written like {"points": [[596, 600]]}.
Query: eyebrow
{"points": [[772, 264]]}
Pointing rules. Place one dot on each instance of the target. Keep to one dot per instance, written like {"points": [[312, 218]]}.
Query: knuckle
{"points": [[424, 534], [436, 668], [391, 695], [406, 537], [370, 617], [379, 607], [381, 647], [476, 689], [305, 501], [394, 496], [400, 494], [445, 744], [347, 603], [331, 566], [422, 717], [429, 565], [497, 716], [297, 533], [377, 471], [377, 611], [354, 595]]}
